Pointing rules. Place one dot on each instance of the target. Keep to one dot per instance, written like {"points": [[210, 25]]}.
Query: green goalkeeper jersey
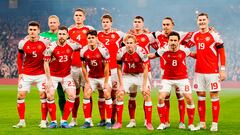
{"points": [[49, 35]]}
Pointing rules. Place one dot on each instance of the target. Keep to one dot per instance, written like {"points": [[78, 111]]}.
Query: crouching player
{"points": [[175, 74], [134, 61], [96, 57], [61, 50]]}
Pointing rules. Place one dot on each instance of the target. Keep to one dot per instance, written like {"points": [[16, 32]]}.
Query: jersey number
{"points": [[78, 37], [94, 63], [174, 63], [131, 65], [201, 46], [214, 86], [63, 58], [107, 41], [34, 54]]}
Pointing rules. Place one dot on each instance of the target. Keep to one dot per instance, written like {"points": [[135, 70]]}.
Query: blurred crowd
{"points": [[12, 30]]}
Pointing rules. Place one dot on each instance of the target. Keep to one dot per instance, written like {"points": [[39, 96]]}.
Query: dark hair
{"points": [[139, 17], [169, 18], [107, 16], [81, 10], [92, 32], [63, 28], [173, 33], [34, 23], [202, 14]]}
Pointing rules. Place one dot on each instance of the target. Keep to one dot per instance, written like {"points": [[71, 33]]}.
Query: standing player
{"points": [[96, 57], [134, 61], [111, 39], [175, 74], [30, 68], [53, 24], [208, 74], [162, 40], [62, 51], [144, 39], [77, 33]]}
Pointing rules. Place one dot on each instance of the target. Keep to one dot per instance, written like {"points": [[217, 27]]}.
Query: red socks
{"points": [[21, 108], [52, 109], [215, 109], [132, 108], [67, 109], [101, 107]]}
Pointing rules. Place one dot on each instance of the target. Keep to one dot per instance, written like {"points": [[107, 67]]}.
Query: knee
{"points": [[72, 97], [87, 93], [107, 93], [167, 97], [146, 95], [42, 95], [133, 94], [101, 94], [21, 95], [201, 94], [214, 95], [120, 95]]}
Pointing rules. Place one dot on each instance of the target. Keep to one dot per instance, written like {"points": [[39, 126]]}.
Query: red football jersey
{"points": [[33, 61], [61, 64], [144, 40], [132, 63], [207, 54], [78, 35], [111, 41], [95, 60], [174, 62], [162, 40]]}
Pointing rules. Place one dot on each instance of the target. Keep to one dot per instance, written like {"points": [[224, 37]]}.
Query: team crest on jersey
{"points": [[58, 52], [113, 36], [39, 47], [169, 56], [68, 50], [28, 47], [84, 31], [180, 55], [98, 56], [207, 38], [143, 39]]}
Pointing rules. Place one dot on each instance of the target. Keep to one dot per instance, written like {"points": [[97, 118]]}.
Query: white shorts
{"points": [[77, 75], [66, 82], [130, 81], [98, 83], [202, 82], [175, 87], [114, 78], [183, 85], [25, 83]]}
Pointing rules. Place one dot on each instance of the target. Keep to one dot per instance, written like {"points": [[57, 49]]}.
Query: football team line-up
{"points": [[115, 64]]}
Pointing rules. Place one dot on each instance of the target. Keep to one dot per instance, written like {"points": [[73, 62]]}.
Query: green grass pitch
{"points": [[229, 123]]}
